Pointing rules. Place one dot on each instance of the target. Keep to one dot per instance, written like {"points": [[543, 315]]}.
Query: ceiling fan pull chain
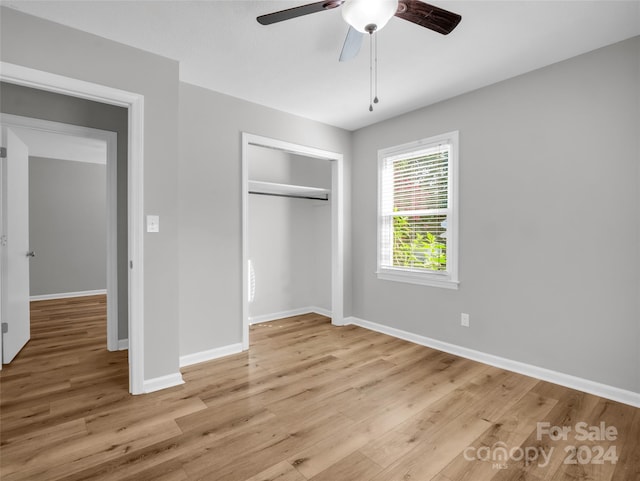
{"points": [[370, 71], [375, 99]]}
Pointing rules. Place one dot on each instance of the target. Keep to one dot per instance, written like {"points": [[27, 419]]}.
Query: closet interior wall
{"points": [[289, 238]]}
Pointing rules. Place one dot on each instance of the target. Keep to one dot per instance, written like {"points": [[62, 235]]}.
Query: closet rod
{"points": [[293, 196]]}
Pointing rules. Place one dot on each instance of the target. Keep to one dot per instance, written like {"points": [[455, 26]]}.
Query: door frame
{"points": [[134, 102], [337, 222], [110, 139]]}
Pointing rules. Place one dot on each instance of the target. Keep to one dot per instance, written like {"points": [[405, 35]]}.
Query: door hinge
{"points": [[3, 152], [5, 328], [130, 264]]}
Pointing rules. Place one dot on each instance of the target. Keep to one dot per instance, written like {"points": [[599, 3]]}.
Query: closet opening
{"points": [[292, 232]]}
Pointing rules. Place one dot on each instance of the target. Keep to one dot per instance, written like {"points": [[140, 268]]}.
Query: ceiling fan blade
{"points": [[294, 12], [352, 45], [428, 16]]}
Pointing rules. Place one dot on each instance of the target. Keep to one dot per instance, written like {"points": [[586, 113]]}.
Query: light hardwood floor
{"points": [[309, 401]]}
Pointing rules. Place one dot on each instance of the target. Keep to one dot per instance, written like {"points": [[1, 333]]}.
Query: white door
{"points": [[16, 327]]}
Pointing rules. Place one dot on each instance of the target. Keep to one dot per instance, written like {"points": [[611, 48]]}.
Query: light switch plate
{"points": [[153, 223]]}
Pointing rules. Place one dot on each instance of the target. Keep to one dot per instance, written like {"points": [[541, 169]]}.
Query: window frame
{"points": [[445, 279]]}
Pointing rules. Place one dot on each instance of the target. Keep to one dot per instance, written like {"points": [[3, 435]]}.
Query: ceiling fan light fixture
{"points": [[368, 16]]}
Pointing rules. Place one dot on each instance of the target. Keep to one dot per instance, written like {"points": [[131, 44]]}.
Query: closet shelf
{"points": [[288, 190]]}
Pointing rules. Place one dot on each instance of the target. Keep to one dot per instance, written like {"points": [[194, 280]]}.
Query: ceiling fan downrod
{"points": [[373, 66]]}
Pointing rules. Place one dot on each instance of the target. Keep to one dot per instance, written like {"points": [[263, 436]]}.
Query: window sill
{"points": [[431, 280]]}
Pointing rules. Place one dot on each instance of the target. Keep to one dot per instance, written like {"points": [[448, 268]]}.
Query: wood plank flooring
{"points": [[308, 402]]}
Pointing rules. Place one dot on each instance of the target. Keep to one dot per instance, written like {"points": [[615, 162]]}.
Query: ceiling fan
{"points": [[369, 16]]}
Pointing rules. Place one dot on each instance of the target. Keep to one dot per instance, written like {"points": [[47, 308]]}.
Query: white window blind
{"points": [[417, 211]]}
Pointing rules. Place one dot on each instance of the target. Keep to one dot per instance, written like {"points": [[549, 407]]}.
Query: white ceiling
{"points": [[293, 66]]}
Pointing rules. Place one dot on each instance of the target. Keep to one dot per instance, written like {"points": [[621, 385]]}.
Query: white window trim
{"points": [[449, 279]]}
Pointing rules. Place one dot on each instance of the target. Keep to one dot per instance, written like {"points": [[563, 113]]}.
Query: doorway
{"points": [[134, 103], [68, 144], [336, 192]]}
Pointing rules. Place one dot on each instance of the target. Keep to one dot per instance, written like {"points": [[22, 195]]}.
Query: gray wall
{"points": [[43, 45], [67, 226], [210, 206], [28, 102], [549, 220], [289, 239]]}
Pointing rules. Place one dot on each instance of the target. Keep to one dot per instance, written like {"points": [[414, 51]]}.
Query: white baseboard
{"points": [[67, 295], [567, 380], [293, 312], [162, 382], [321, 310], [209, 355], [123, 344]]}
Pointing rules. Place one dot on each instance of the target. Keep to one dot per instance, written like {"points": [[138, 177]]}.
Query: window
{"points": [[417, 213]]}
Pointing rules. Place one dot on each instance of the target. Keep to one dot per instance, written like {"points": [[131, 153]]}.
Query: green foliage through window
{"points": [[418, 242]]}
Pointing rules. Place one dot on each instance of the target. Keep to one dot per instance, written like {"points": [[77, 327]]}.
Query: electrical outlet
{"points": [[464, 319]]}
